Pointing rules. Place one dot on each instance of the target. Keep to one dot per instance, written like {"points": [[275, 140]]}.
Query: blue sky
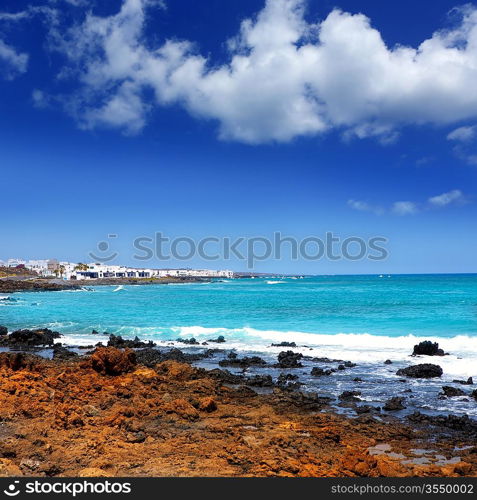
{"points": [[371, 142]]}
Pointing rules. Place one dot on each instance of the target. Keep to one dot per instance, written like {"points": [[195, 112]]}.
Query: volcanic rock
{"points": [[425, 370]]}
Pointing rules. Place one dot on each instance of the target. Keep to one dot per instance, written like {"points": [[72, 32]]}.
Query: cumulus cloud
{"points": [[285, 77], [444, 199], [12, 62]]}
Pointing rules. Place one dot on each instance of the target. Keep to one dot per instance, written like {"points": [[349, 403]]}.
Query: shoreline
{"points": [[9, 285], [148, 411]]}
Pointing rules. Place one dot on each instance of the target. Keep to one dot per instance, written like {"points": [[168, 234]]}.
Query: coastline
{"points": [[9, 285], [132, 409]]}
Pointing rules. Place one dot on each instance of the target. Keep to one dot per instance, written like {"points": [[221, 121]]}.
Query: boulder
{"points": [[451, 392], [30, 338], [112, 361], [219, 340], [427, 348], [388, 362], [350, 396], [3, 330], [425, 370], [284, 344], [394, 404], [319, 372], [136, 343], [469, 381], [245, 362], [207, 404], [289, 359]]}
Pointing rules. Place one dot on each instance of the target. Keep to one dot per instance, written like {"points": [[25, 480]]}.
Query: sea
{"points": [[363, 319]]}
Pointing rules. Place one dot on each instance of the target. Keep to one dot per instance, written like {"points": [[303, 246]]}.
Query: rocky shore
{"points": [[11, 285], [134, 409]]}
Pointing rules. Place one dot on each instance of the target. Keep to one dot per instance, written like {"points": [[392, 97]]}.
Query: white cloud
{"points": [[462, 134], [404, 208], [12, 62], [363, 206], [285, 77], [444, 199]]}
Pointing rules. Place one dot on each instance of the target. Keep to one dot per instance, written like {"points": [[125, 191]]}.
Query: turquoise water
{"points": [[437, 305], [364, 319]]}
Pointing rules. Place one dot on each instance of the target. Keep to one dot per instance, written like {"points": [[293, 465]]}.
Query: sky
{"points": [[240, 119]]}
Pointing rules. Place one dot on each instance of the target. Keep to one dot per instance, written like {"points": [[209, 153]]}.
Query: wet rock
{"points": [[191, 341], [3, 330], [394, 404], [260, 381], [226, 377], [29, 338], [357, 379], [319, 372], [288, 382], [289, 359], [219, 340], [284, 344], [94, 332], [469, 381], [360, 410], [425, 370], [350, 396], [427, 348], [245, 362], [151, 356], [474, 394], [118, 342], [388, 362], [60, 352], [112, 361], [463, 423], [451, 392]]}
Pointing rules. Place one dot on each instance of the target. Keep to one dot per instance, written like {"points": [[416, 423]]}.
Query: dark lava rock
{"points": [[18, 360], [191, 341], [319, 372], [357, 379], [474, 394], [360, 410], [118, 341], [452, 392], [94, 332], [3, 330], [308, 401], [394, 404], [388, 362], [463, 423], [260, 381], [427, 348], [60, 352], [30, 338], [425, 370], [469, 381], [226, 377], [150, 356], [350, 396], [112, 361], [242, 362], [219, 340], [288, 382], [289, 359], [284, 344]]}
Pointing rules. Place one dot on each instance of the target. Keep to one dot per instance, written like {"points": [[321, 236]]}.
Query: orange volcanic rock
{"points": [[112, 361], [107, 416]]}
